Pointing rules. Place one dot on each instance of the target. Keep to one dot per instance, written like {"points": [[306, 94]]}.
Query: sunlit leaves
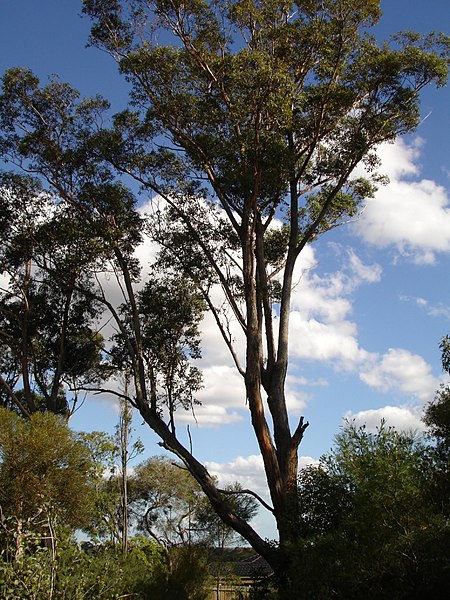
{"points": [[43, 468]]}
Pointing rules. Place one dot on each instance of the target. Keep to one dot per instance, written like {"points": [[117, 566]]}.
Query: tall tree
{"points": [[48, 344], [128, 451], [248, 120]]}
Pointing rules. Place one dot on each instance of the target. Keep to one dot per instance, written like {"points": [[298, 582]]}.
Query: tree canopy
{"points": [[45, 475]]}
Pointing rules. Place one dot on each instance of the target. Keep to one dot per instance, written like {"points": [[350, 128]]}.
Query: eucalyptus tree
{"points": [[164, 499], [248, 120], [47, 340], [169, 310], [168, 503]]}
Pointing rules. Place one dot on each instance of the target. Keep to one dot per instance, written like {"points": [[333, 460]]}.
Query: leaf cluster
{"points": [[367, 513], [44, 470]]}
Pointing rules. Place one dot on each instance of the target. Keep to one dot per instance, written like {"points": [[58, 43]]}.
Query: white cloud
{"points": [[412, 216], [403, 418], [4, 281], [321, 328], [399, 370], [400, 159], [314, 340], [223, 385], [222, 395], [364, 273], [439, 310], [209, 415], [296, 398], [248, 471], [214, 349]]}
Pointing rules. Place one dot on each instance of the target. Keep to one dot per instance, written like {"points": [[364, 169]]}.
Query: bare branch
{"points": [[249, 492]]}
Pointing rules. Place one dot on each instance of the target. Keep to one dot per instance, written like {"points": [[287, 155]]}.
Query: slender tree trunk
{"points": [[19, 540], [124, 427], [53, 561]]}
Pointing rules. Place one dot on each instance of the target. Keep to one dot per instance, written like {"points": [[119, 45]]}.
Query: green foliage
{"points": [[437, 418], [171, 310], [164, 498], [47, 340], [105, 492], [297, 94], [445, 349], [44, 470], [366, 519], [169, 504], [27, 580], [215, 531], [188, 576], [99, 573]]}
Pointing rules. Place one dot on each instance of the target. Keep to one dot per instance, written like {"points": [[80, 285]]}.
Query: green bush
{"points": [[103, 573]]}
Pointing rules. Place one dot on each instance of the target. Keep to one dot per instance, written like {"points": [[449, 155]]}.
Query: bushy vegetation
{"points": [[104, 573], [55, 484], [374, 519]]}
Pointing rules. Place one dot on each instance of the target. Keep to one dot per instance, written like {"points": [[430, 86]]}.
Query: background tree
{"points": [[437, 414], [170, 505], [437, 418], [368, 525], [48, 345], [169, 310], [44, 484], [213, 530], [164, 498], [112, 455], [127, 452], [252, 114]]}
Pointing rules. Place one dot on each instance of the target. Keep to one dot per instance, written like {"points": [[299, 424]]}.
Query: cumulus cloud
{"points": [[403, 418], [363, 273], [296, 397], [223, 384], [399, 370], [412, 216], [315, 340], [209, 415], [248, 471], [222, 396], [321, 325], [401, 159]]}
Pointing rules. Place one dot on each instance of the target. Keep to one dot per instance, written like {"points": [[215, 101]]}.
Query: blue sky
{"points": [[373, 298]]}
